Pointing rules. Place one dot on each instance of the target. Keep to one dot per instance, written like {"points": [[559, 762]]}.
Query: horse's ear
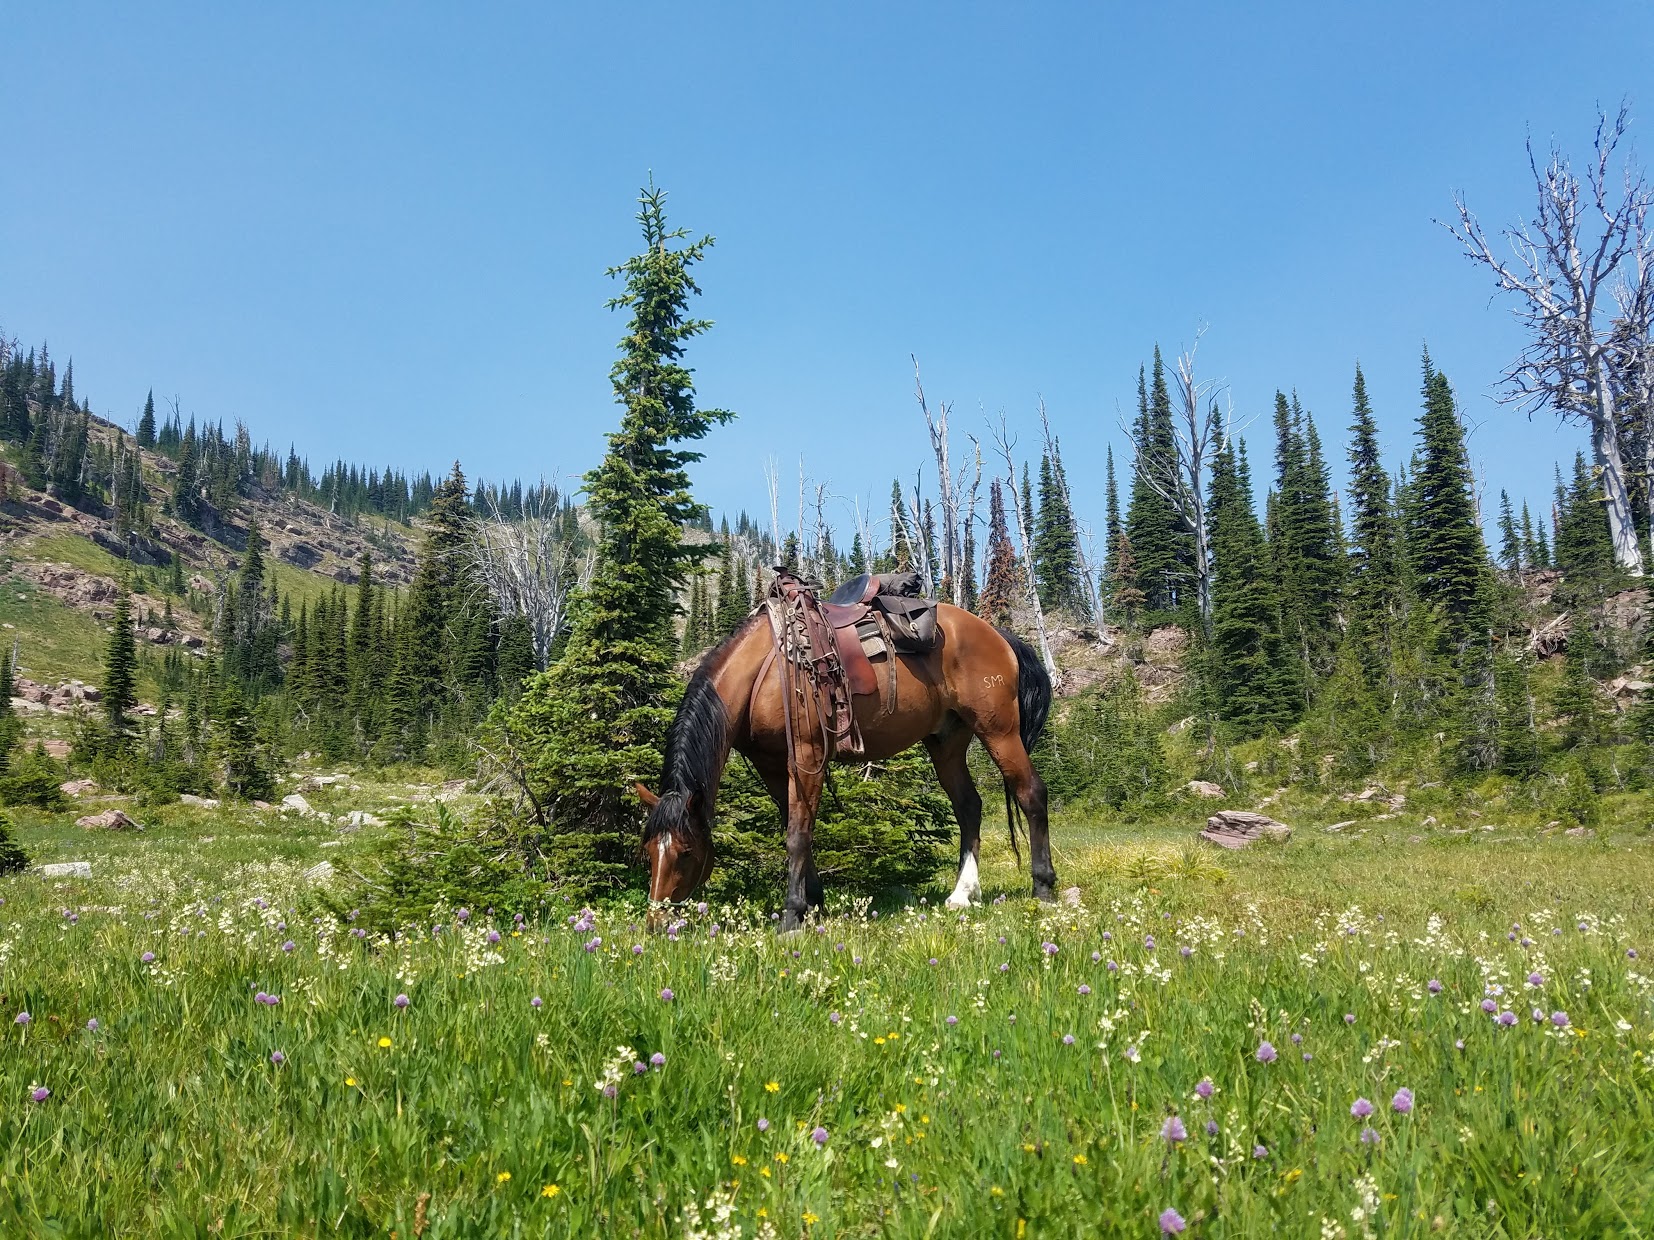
{"points": [[644, 795]]}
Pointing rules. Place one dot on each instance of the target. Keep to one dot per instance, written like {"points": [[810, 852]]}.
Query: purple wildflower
{"points": [[1361, 1108], [1112, 967], [400, 1001], [493, 936], [1402, 1103], [1297, 1039], [1096, 957], [1308, 1057], [1260, 1151], [1434, 986], [638, 1069], [1536, 979], [92, 1025], [1349, 1018], [658, 1060], [288, 946], [593, 943], [1369, 1136], [1148, 942], [1507, 1019], [833, 1018], [1108, 936], [1050, 949], [1266, 1053], [41, 1093], [637, 949], [1171, 1222], [277, 1058], [1084, 989], [1489, 1006], [1205, 1089], [1559, 1019], [1173, 1130], [22, 1018], [819, 1136], [1186, 952], [535, 1002], [763, 1125], [1538, 1015], [1068, 1039], [610, 1091], [147, 958], [1004, 968], [701, 908], [1211, 1128], [1631, 953], [463, 915], [666, 995], [952, 1021]]}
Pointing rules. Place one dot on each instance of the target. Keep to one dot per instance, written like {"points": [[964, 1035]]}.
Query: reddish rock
{"points": [[109, 820], [1236, 828]]}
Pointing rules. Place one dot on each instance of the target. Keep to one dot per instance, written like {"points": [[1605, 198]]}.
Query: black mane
{"points": [[697, 745]]}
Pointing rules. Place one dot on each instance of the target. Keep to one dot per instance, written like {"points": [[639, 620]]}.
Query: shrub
{"points": [[887, 827], [12, 856], [420, 868], [33, 779]]}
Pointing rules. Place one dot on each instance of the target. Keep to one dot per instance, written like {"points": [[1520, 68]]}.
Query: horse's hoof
{"points": [[959, 902], [1045, 895]]}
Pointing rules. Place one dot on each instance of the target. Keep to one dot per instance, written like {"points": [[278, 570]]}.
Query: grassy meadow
{"points": [[1195, 1045]]}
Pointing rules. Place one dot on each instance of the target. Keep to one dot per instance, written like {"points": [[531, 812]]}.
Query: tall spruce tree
{"points": [[1304, 540], [1448, 557], [1374, 602], [1163, 551], [1000, 582], [1056, 544], [1252, 669], [597, 719], [146, 422], [120, 667]]}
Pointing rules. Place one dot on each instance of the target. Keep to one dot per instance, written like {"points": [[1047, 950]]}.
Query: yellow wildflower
{"points": [[1027, 1147], [772, 1087], [878, 1041], [782, 1156], [810, 1218], [764, 1171], [350, 1080], [901, 1108], [567, 1082], [763, 1213], [740, 1160], [502, 1177], [384, 1042], [550, 1190], [996, 1191], [1079, 1160]]}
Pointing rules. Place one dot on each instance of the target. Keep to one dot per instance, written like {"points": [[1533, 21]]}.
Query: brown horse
{"points": [[977, 681]]}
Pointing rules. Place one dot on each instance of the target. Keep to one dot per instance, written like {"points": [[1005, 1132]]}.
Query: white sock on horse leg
{"points": [[967, 888]]}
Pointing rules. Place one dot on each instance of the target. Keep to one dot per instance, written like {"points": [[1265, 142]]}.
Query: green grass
{"points": [[171, 1119]]}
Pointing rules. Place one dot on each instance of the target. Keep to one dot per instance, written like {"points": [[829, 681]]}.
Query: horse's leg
{"points": [[775, 781], [947, 755], [1005, 747], [803, 798]]}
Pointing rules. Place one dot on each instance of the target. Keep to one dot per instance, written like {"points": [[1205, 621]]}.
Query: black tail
{"points": [[1033, 709]]}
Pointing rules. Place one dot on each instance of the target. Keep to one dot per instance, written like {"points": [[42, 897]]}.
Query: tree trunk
{"points": [[1605, 446]]}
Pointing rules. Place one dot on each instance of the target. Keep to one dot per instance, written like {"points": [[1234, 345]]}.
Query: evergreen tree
{"points": [[1253, 669], [1530, 545], [1510, 537], [1449, 560], [597, 719], [1584, 546], [1056, 544], [1001, 582], [120, 667], [186, 489], [1163, 551], [1519, 753], [733, 604], [146, 423], [1304, 541], [1374, 602]]}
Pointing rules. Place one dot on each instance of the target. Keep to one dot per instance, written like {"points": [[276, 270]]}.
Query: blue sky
{"points": [[381, 233]]}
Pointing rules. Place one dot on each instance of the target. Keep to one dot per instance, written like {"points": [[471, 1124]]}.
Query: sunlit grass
{"points": [[472, 1111]]}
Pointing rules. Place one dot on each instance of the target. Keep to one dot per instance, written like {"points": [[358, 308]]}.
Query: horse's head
{"points": [[677, 847]]}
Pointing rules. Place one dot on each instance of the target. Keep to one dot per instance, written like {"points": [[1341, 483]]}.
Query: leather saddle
{"points": [[873, 616]]}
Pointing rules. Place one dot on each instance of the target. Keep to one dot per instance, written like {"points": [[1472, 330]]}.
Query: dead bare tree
{"points": [[527, 571], [1181, 481], [1561, 267], [1004, 442], [947, 502]]}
